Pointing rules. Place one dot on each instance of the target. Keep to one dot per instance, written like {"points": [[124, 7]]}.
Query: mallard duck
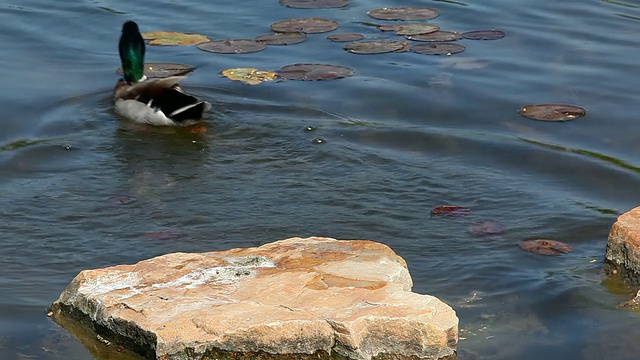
{"points": [[155, 102]]}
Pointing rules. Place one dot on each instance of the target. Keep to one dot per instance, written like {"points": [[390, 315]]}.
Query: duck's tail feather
{"points": [[180, 106]]}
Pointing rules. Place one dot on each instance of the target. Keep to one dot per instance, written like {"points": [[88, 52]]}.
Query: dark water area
{"points": [[406, 133]]}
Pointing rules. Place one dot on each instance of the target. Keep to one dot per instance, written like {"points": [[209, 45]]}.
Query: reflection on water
{"points": [[405, 134]]}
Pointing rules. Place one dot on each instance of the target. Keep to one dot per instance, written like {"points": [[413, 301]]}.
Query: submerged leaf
{"points": [[450, 210], [314, 72], [305, 25], [240, 46], [404, 13], [552, 112], [410, 28], [282, 38], [484, 34], [173, 38], [545, 247], [436, 36], [487, 228], [345, 37], [249, 76], [437, 48], [375, 47], [314, 4]]}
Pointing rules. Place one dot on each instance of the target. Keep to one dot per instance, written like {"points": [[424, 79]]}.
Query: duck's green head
{"points": [[131, 48]]}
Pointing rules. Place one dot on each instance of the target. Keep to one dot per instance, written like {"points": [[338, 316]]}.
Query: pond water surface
{"points": [[406, 133]]}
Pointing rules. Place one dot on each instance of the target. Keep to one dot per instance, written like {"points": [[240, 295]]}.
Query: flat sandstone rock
{"points": [[314, 298], [622, 258]]}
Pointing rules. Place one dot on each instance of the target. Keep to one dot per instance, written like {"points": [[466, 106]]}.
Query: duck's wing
{"points": [[149, 89], [179, 106]]}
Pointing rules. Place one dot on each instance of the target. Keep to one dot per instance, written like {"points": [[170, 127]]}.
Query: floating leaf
{"points": [[161, 70], [249, 76], [545, 247], [345, 37], [487, 228], [410, 28], [436, 36], [552, 112], [375, 47], [404, 13], [305, 25], [314, 4], [450, 210], [314, 72], [173, 38], [121, 199], [283, 38], [437, 48], [484, 34], [240, 46]]}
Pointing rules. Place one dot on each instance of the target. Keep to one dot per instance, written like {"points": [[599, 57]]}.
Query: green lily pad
{"points": [[404, 13], [305, 25], [345, 37], [309, 72], [375, 47], [437, 48], [162, 70], [410, 28], [484, 34], [240, 46], [249, 76], [173, 38], [545, 247], [284, 38], [439, 35], [314, 4], [552, 112]]}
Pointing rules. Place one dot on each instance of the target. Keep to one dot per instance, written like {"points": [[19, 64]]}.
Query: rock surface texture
{"points": [[313, 298], [623, 249]]}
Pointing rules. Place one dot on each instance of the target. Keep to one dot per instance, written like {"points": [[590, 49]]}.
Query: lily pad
{"points": [[161, 70], [345, 37], [404, 13], [450, 210], [173, 38], [249, 76], [305, 25], [314, 72], [437, 36], [314, 4], [484, 34], [410, 28], [437, 48], [240, 46], [487, 228], [375, 47], [552, 112], [545, 247], [284, 38]]}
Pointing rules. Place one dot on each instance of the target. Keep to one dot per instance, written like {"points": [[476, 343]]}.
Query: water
{"points": [[405, 134]]}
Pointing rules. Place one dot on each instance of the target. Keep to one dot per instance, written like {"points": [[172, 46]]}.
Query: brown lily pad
{"points": [[305, 25], [284, 38], [450, 210], [240, 46], [249, 76], [484, 34], [545, 247], [486, 228], [309, 72], [404, 13], [345, 37], [173, 38], [552, 112], [437, 48], [314, 4], [375, 47], [161, 70], [410, 28], [437, 36]]}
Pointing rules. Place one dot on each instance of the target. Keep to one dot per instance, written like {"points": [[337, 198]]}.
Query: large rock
{"points": [[314, 298], [623, 249]]}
